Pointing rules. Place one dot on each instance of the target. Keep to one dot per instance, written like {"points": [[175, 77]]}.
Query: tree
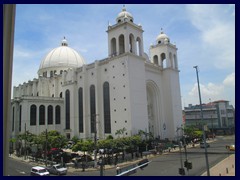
{"points": [[120, 132], [75, 139]]}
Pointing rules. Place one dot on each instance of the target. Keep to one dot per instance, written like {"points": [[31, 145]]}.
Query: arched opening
{"points": [[57, 114], [80, 109], [93, 108], [33, 115], [175, 61], [50, 114], [139, 46], [163, 60], [106, 107], [113, 47], [67, 101], [51, 73], [155, 60], [153, 108], [131, 43], [121, 44], [42, 115], [171, 60], [60, 95]]}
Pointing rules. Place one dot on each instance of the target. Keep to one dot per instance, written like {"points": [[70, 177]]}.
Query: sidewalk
{"points": [[224, 168]]}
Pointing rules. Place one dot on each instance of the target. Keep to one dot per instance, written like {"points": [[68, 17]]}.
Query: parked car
{"points": [[230, 147], [39, 171], [57, 169], [202, 145], [211, 135]]}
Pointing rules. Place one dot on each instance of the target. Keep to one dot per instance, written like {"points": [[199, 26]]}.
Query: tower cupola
{"points": [[124, 16], [162, 38]]}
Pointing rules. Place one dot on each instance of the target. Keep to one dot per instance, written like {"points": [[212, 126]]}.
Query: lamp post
{"points": [[204, 136], [180, 152]]}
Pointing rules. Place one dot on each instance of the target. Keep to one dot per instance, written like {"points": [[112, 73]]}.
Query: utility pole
{"points": [[182, 172], [204, 135]]}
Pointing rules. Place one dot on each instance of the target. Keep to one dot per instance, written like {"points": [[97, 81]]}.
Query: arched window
{"points": [[163, 60], [51, 73], [106, 107], [80, 109], [131, 43], [113, 47], [20, 118], [121, 44], [50, 114], [175, 61], [139, 46], [60, 95], [155, 59], [33, 115], [92, 108], [171, 60], [57, 114], [13, 111], [42, 115], [67, 97]]}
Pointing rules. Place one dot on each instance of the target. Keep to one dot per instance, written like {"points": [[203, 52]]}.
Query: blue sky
{"points": [[203, 34]]}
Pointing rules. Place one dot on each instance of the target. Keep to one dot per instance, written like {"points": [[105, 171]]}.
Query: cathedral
{"points": [[128, 89]]}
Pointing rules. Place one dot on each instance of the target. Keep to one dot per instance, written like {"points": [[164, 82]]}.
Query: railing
{"points": [[131, 169]]}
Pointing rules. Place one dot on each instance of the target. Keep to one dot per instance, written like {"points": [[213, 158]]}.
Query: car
{"points": [[39, 171], [230, 147], [57, 169], [202, 145]]}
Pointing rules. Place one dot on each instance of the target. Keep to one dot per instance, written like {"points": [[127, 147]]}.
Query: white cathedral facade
{"points": [[127, 89]]}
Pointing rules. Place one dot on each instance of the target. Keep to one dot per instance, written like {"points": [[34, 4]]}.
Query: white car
{"points": [[57, 169], [39, 171]]}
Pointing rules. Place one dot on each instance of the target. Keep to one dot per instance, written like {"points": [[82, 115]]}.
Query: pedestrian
{"points": [[118, 169]]}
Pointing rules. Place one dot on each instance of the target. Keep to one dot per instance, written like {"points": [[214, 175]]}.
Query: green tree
{"points": [[120, 132]]}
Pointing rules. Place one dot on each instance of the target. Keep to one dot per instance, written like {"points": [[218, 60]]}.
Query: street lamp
{"points": [[181, 170], [204, 136]]}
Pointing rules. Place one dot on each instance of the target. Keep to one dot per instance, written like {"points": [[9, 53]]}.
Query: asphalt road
{"points": [[164, 165]]}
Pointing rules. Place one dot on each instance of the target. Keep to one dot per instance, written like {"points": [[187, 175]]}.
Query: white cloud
{"points": [[216, 25], [224, 90], [207, 91], [230, 80]]}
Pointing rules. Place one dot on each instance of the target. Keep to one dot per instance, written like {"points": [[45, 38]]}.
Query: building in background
{"points": [[127, 89], [219, 116]]}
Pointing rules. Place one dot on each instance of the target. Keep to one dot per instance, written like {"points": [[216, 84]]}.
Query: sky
{"points": [[204, 35]]}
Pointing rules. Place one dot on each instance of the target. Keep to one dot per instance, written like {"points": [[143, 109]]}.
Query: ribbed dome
{"points": [[162, 37], [124, 15], [62, 57]]}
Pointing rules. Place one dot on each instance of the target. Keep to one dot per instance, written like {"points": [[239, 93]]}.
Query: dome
{"points": [[162, 37], [62, 57], [124, 15]]}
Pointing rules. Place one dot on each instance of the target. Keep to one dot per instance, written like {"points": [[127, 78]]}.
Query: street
{"points": [[164, 165]]}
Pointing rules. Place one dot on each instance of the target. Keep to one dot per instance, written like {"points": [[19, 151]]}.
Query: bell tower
{"points": [[125, 36], [163, 53]]}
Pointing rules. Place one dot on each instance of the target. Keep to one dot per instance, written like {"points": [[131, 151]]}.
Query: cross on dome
{"points": [[64, 42]]}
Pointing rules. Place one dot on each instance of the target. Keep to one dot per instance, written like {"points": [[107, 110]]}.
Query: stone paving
{"points": [[224, 168]]}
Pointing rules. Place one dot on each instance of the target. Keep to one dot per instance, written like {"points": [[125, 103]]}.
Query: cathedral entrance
{"points": [[153, 109]]}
